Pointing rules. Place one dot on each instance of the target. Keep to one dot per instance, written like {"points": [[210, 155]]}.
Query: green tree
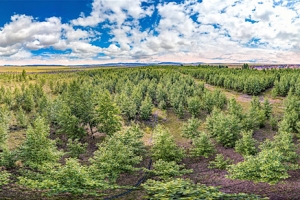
{"points": [[68, 123], [146, 108], [107, 115], [112, 158], [164, 146], [4, 126], [220, 162], [167, 170], [267, 166], [21, 117], [72, 178], [194, 105], [202, 146], [38, 149], [235, 109], [267, 108], [246, 145], [185, 189], [245, 66], [225, 128], [190, 128]]}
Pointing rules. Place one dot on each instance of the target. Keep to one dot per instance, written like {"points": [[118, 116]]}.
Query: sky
{"points": [[73, 32]]}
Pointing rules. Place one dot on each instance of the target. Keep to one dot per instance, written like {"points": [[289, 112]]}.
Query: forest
{"points": [[159, 132]]}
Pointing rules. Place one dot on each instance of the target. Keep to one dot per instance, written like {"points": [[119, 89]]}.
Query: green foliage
{"points": [[246, 145], [167, 170], [274, 122], [186, 189], [22, 119], [71, 178], [75, 148], [267, 167], [68, 123], [4, 126], [164, 146], [283, 142], [38, 149], [190, 128], [256, 117], [267, 109], [245, 66], [272, 163], [291, 115], [235, 109], [4, 178], [213, 99], [225, 128], [112, 158], [8, 158], [220, 162], [202, 146], [127, 106], [194, 105], [132, 136], [146, 108], [107, 115]]}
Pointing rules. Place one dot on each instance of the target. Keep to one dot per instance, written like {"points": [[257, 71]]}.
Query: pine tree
{"points": [[164, 146], [202, 146], [146, 108], [246, 145], [38, 150], [190, 128], [107, 115], [267, 109], [194, 105]]}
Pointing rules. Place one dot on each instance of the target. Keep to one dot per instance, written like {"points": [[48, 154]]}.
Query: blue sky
{"points": [[102, 31]]}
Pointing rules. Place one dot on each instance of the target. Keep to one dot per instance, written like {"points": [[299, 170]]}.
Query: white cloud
{"points": [[189, 31]]}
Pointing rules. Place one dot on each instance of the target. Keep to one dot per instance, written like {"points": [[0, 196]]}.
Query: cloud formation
{"points": [[149, 31]]}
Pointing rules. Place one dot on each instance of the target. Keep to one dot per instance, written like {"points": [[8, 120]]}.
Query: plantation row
{"points": [[252, 82], [62, 113]]}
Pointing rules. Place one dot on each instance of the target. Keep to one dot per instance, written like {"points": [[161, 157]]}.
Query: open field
{"points": [[103, 126]]}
